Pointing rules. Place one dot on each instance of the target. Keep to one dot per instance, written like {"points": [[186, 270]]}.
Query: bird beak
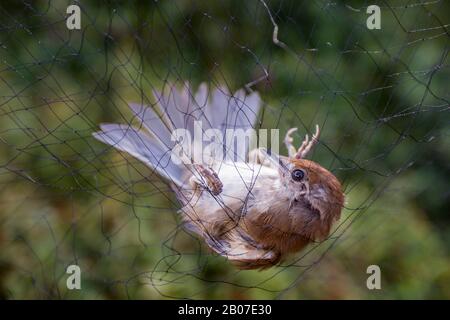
{"points": [[276, 160]]}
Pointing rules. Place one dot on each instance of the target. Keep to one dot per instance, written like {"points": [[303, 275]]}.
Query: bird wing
{"points": [[235, 245], [143, 147], [179, 109], [243, 251]]}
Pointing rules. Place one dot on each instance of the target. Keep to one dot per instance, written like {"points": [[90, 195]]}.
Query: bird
{"points": [[252, 207]]}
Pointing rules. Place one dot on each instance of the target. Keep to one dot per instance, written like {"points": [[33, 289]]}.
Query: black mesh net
{"points": [[380, 96]]}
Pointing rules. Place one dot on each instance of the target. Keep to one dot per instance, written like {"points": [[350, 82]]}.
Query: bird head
{"points": [[315, 194]]}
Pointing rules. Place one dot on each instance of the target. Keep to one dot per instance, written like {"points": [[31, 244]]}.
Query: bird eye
{"points": [[298, 175]]}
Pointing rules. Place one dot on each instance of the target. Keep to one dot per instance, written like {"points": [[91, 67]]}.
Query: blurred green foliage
{"points": [[380, 96]]}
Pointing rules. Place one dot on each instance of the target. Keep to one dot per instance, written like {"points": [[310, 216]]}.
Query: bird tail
{"points": [[153, 142]]}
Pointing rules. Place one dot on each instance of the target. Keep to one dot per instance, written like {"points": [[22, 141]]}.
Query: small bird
{"points": [[254, 209]]}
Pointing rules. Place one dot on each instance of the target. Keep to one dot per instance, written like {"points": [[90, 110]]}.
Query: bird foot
{"points": [[208, 176], [306, 145]]}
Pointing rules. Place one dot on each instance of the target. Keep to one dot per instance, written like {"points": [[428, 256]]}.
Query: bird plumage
{"points": [[246, 209]]}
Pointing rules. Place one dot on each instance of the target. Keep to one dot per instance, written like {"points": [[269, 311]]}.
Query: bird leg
{"points": [[305, 147]]}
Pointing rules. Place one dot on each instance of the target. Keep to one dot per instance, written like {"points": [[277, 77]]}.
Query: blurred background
{"points": [[381, 98]]}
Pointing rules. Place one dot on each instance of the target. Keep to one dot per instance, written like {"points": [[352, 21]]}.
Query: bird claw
{"points": [[210, 177], [288, 139]]}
